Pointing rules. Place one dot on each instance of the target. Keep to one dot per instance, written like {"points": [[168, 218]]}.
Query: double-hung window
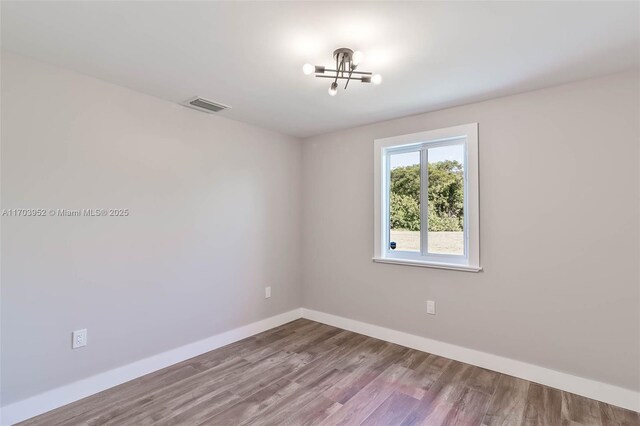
{"points": [[426, 199]]}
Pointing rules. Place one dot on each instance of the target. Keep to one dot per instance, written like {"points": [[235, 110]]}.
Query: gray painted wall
{"points": [[215, 217], [217, 213], [561, 284]]}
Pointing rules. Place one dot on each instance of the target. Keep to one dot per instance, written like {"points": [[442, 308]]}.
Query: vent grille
{"points": [[205, 105]]}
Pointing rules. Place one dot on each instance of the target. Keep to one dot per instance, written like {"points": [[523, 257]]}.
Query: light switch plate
{"points": [[431, 307]]}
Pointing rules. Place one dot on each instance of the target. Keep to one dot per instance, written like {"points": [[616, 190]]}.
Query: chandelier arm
{"points": [[341, 78], [353, 72], [347, 83], [351, 67]]}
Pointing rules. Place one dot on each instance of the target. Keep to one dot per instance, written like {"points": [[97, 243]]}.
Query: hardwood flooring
{"points": [[307, 373]]}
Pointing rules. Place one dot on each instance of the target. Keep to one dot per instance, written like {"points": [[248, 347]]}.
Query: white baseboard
{"points": [[66, 394], [610, 394]]}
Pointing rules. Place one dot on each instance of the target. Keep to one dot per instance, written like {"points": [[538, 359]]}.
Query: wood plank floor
{"points": [[307, 373]]}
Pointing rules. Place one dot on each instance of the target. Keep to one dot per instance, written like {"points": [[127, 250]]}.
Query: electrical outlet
{"points": [[79, 338], [431, 307], [267, 292]]}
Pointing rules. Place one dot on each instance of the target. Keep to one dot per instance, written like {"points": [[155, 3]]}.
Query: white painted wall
{"points": [[215, 217], [559, 185]]}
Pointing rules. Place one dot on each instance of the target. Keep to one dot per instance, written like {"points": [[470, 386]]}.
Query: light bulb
{"points": [[307, 69], [333, 90], [357, 57], [376, 79]]}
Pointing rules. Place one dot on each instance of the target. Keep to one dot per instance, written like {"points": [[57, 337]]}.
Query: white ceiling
{"points": [[249, 55]]}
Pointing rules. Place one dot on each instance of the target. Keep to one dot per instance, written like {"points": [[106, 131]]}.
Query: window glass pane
{"points": [[404, 201], [446, 200]]}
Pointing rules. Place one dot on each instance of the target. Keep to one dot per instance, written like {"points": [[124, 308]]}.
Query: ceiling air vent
{"points": [[205, 105]]}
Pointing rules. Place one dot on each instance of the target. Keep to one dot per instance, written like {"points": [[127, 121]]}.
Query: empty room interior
{"points": [[320, 213]]}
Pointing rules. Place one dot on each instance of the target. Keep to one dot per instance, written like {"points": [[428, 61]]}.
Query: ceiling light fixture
{"points": [[346, 63]]}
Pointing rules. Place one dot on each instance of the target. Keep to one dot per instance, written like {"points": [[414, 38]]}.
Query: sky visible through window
{"points": [[435, 156]]}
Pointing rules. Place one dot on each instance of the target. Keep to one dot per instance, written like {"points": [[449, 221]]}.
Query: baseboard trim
{"points": [[38, 404], [599, 391], [30, 407]]}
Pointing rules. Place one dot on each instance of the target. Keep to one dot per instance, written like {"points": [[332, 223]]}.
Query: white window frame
{"points": [[466, 134]]}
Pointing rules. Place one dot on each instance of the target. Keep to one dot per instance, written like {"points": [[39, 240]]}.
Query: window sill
{"points": [[424, 264]]}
